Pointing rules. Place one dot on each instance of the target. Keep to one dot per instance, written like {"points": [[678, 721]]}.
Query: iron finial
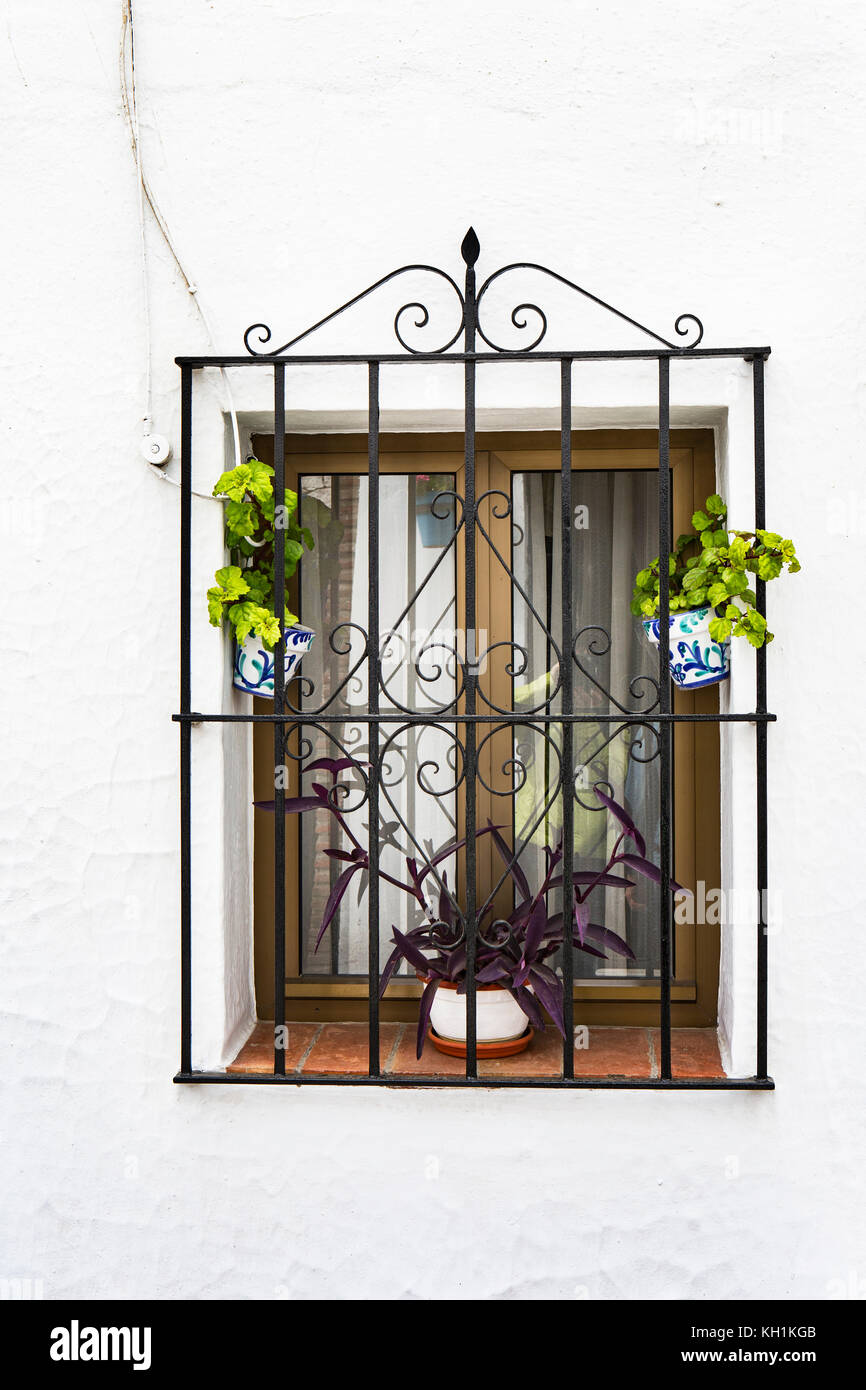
{"points": [[470, 248]]}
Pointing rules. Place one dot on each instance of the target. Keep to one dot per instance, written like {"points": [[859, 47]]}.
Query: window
{"points": [[422, 585], [478, 673]]}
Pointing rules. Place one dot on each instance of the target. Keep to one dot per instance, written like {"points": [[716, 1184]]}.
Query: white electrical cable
{"points": [[145, 192]]}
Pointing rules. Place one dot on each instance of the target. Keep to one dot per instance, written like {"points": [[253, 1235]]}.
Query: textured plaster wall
{"points": [[702, 158]]}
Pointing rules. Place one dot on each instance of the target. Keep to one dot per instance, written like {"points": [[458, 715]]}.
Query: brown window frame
{"points": [[697, 831]]}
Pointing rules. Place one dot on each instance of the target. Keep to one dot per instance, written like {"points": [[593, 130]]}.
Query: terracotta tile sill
{"points": [[341, 1049]]}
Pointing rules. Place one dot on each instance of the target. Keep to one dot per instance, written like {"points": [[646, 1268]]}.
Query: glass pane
{"points": [[614, 534], [417, 621]]}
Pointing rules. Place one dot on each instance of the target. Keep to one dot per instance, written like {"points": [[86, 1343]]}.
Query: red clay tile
{"points": [[344, 1048], [694, 1052], [614, 1052], [257, 1053], [543, 1057], [432, 1062]]}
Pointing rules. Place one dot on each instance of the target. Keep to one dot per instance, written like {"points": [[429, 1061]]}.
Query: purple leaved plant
{"points": [[513, 952]]}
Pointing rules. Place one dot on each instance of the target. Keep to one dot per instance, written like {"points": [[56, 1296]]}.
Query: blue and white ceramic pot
{"points": [[696, 659], [254, 664]]}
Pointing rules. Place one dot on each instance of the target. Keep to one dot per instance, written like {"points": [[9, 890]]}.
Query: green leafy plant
{"points": [[713, 567], [244, 589]]}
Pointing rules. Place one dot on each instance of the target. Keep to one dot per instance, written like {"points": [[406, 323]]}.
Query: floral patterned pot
{"points": [[254, 664], [696, 659]]}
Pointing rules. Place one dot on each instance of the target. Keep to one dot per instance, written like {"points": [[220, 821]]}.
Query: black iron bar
{"points": [[653, 717], [471, 656], [761, 733], [373, 677], [567, 700], [514, 1083], [399, 358], [186, 726], [279, 726], [664, 733]]}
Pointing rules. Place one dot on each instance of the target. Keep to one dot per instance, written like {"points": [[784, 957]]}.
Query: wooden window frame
{"points": [[694, 990]]}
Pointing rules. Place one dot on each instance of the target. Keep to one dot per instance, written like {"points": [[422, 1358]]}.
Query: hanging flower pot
{"points": [[696, 659], [711, 571], [254, 664]]}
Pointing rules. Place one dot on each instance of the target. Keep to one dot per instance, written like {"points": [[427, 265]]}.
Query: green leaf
{"points": [[700, 521], [769, 567], [738, 549], [241, 519], [715, 504], [720, 629], [231, 581], [234, 483], [696, 579], [260, 479]]}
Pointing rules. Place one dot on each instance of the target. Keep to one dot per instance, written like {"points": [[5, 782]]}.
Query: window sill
{"points": [[340, 1049]]}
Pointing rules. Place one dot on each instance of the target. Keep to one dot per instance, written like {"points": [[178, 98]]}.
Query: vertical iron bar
{"points": [[470, 254], [665, 708], [761, 731], [185, 726], [279, 728], [566, 675], [373, 656]]}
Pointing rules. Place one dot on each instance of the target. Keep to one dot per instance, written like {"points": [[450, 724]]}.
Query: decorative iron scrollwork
{"points": [[258, 335]]}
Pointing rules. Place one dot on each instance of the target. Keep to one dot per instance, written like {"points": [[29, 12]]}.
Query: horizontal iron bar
{"points": [[362, 717], [547, 1083], [394, 358]]}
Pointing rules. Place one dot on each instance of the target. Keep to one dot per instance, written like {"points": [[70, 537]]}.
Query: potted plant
{"points": [[514, 979], [710, 593], [244, 589], [434, 513]]}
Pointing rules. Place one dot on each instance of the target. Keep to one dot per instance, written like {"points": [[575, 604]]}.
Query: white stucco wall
{"points": [[692, 158]]}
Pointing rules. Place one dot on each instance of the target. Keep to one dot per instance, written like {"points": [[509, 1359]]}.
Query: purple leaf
{"points": [[292, 805], [609, 939], [424, 1015], [532, 940], [548, 991], [490, 973], [581, 918], [649, 870], [410, 951], [452, 849], [585, 877], [588, 950], [333, 902], [510, 862], [623, 817], [390, 966], [446, 907], [529, 1004], [456, 962]]}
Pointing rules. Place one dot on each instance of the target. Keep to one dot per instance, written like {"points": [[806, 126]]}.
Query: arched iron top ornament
{"points": [[469, 303]]}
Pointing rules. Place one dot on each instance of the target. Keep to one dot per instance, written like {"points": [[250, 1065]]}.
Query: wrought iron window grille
{"points": [[478, 347]]}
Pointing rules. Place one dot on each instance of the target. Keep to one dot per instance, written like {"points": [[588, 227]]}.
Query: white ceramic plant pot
{"points": [[696, 658], [254, 664], [498, 1017]]}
